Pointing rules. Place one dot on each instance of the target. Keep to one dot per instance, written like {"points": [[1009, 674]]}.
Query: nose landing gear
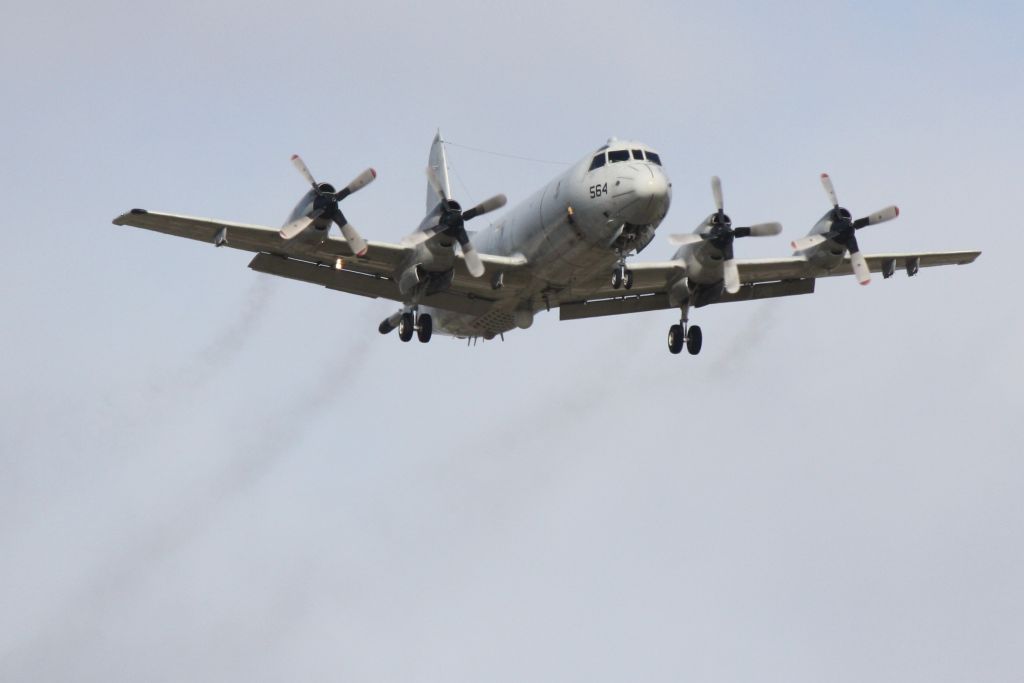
{"points": [[685, 334], [622, 277]]}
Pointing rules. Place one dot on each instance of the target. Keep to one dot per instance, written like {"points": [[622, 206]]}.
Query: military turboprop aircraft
{"points": [[565, 247]]}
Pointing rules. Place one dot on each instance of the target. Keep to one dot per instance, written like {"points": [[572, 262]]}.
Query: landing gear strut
{"points": [[685, 334], [622, 277]]}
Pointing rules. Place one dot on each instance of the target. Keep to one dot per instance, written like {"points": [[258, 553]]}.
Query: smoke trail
{"points": [[196, 371], [251, 460], [584, 388], [746, 341]]}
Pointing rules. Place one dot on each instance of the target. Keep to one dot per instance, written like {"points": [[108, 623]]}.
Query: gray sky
{"points": [[207, 474]]}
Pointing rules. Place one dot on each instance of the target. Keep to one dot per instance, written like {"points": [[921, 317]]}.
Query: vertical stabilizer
{"points": [[439, 163]]}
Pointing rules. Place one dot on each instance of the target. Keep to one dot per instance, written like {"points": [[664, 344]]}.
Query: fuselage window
{"points": [[618, 155], [638, 154], [653, 158], [598, 161]]}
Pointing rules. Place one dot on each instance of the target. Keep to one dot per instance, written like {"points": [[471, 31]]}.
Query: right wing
{"points": [[309, 258]]}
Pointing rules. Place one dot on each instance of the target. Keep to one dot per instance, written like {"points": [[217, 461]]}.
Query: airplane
{"points": [[568, 246]]}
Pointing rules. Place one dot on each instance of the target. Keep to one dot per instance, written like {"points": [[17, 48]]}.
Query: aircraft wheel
{"points": [[405, 327], [426, 328], [675, 339], [616, 278], [694, 340], [628, 281]]}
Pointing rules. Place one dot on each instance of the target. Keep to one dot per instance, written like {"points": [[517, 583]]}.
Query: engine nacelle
{"points": [[411, 278], [417, 277]]}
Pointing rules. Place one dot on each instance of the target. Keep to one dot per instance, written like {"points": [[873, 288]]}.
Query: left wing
{"points": [[759, 278], [796, 267], [314, 259]]}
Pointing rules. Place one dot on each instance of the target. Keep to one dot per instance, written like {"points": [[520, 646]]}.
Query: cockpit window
{"points": [[598, 161], [618, 155], [653, 158], [638, 154]]}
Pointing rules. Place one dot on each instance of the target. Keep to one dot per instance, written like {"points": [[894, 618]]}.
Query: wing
{"points": [[310, 258], [759, 278], [797, 267]]}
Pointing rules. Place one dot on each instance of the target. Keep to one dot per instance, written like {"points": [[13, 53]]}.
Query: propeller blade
{"points": [[295, 227], [685, 238], [435, 183], [486, 206], [299, 164], [473, 263], [759, 230], [830, 190], [716, 190], [352, 236], [360, 181], [731, 276], [805, 243], [886, 214], [860, 267], [420, 236]]}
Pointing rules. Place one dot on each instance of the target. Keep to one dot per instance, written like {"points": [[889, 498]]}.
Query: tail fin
{"points": [[439, 162]]}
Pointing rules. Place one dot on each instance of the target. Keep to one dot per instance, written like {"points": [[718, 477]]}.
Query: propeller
{"points": [[842, 231], [325, 205], [451, 221], [721, 235]]}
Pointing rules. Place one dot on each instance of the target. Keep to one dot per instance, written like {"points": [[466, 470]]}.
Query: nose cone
{"points": [[645, 197]]}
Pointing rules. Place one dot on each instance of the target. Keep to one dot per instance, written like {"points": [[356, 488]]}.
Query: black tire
{"points": [[616, 278], [426, 328], [694, 340], [675, 339], [628, 282], [405, 327]]}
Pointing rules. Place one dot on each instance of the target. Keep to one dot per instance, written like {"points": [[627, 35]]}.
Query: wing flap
{"points": [[660, 301], [368, 285], [602, 307]]}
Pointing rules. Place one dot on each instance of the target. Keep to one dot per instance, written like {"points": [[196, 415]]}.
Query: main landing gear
{"points": [[622, 277], [420, 323], [685, 334]]}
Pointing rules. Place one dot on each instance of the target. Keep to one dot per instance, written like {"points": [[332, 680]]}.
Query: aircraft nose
{"points": [[648, 197]]}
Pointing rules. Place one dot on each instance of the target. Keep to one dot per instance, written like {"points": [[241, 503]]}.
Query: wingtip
{"points": [[123, 218]]}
